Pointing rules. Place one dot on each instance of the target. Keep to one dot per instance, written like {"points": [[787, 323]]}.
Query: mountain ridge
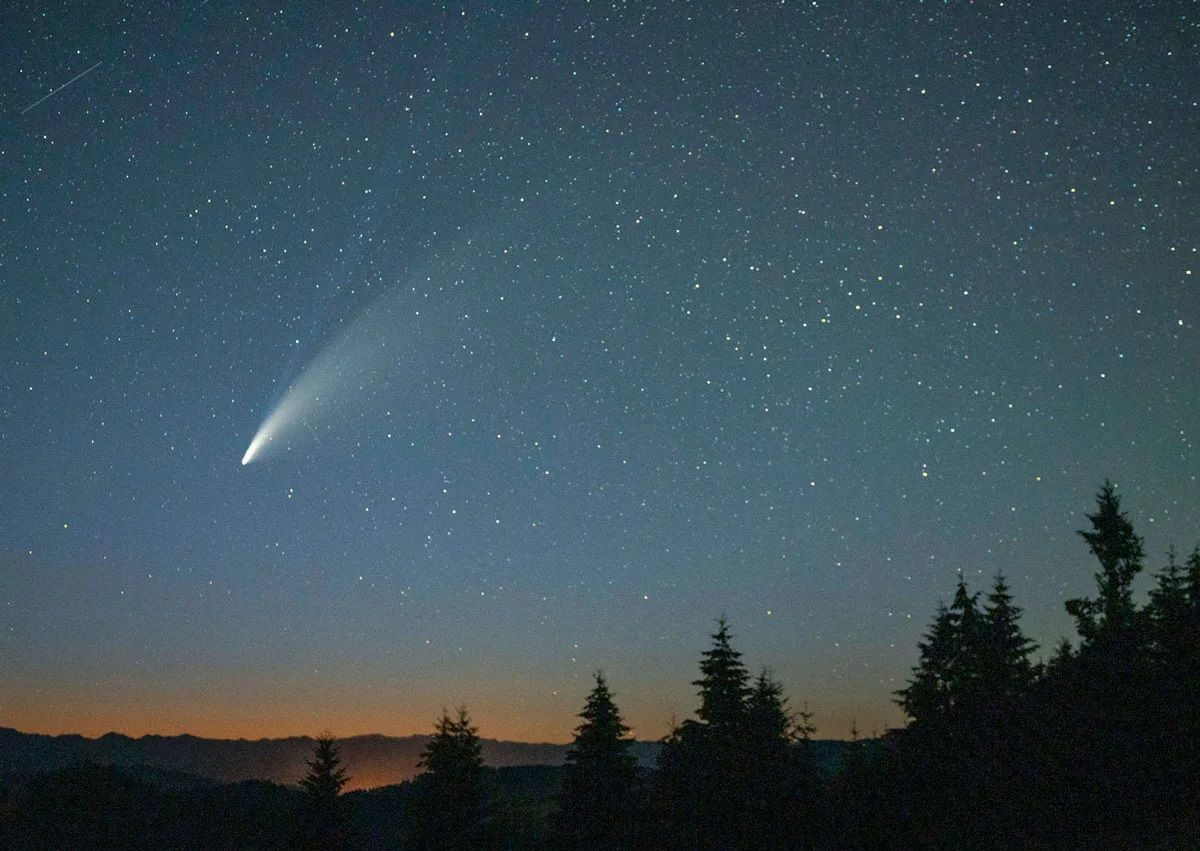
{"points": [[371, 759]]}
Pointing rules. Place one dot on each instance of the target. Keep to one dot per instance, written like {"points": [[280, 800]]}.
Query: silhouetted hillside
{"points": [[371, 760]]}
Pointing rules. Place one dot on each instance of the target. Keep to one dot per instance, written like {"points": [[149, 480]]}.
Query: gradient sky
{"points": [[787, 311]]}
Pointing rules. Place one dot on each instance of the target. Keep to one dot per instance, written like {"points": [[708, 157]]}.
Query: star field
{"points": [[787, 311]]}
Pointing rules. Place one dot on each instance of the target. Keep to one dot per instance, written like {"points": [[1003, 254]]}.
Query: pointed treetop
{"points": [[602, 738], [325, 777], [1119, 551], [724, 682]]}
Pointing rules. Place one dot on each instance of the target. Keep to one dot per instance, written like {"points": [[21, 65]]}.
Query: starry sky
{"points": [[626, 315]]}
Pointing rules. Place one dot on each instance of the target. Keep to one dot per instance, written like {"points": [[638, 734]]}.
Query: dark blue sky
{"points": [[787, 311]]}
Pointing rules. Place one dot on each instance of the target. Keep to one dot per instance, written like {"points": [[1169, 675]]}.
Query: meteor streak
{"points": [[63, 86]]}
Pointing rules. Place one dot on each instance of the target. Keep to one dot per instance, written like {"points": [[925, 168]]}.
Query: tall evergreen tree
{"points": [[1193, 579], [1006, 670], [1100, 710], [599, 802], [948, 678], [782, 782], [323, 784], [325, 777], [1168, 611], [928, 697], [967, 686], [766, 711], [724, 685], [452, 811], [1111, 616], [704, 764]]}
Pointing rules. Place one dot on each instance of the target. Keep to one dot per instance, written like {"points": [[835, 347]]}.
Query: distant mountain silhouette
{"points": [[371, 761]]}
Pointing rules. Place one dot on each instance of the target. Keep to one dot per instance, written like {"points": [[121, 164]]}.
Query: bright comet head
{"points": [[260, 440]]}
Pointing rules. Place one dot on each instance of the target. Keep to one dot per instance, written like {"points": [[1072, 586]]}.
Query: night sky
{"points": [[603, 319]]}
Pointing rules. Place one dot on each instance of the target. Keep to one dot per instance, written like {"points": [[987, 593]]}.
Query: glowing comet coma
{"points": [[351, 369]]}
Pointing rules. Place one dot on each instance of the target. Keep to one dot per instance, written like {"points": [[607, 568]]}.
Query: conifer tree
{"points": [[323, 784], [1193, 579], [1064, 653], [971, 631], [598, 805], [781, 777], [928, 697], [766, 707], [1006, 670], [1111, 616], [1168, 611], [724, 685], [452, 811], [325, 777], [703, 765]]}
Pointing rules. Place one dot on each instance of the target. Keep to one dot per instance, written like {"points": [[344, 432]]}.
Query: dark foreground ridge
{"points": [[378, 760]]}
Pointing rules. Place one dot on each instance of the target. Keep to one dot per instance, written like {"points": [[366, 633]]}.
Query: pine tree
{"points": [[1119, 550], [598, 805], [1006, 670], [781, 777], [323, 784], [452, 807], [325, 777], [964, 609], [1064, 653], [1101, 696], [1193, 579], [704, 765], [767, 716], [928, 697], [1168, 611], [454, 753], [724, 685]]}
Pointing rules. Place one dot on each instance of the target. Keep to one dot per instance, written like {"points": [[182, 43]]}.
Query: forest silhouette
{"points": [[1098, 746]]}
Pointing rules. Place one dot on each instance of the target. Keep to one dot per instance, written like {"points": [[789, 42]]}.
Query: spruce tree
{"points": [[452, 801], [323, 784], [1006, 670], [1111, 616], [704, 764], [325, 777], [971, 635], [781, 792], [1101, 696], [767, 716], [1193, 580], [598, 805], [724, 685], [1168, 611], [928, 697]]}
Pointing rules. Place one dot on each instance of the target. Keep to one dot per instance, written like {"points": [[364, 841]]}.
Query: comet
{"points": [[361, 362]]}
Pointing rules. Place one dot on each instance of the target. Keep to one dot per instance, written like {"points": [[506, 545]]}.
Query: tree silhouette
{"points": [[323, 784], [928, 697], [599, 802], [781, 778], [724, 685], [1168, 612], [736, 778], [452, 807], [1006, 671], [704, 764], [1119, 550]]}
